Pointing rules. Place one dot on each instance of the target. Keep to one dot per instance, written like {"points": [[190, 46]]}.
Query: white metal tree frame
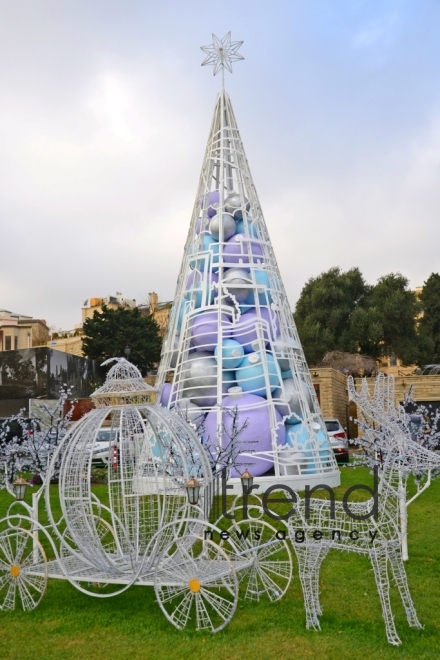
{"points": [[147, 533], [380, 537], [231, 339]]}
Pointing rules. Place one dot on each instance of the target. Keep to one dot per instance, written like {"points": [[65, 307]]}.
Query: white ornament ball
{"points": [[233, 279], [233, 205], [229, 226]]}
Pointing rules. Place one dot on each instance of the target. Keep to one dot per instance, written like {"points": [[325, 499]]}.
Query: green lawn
{"points": [[70, 625]]}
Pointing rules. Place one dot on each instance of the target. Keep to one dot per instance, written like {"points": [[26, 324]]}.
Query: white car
{"points": [[338, 439], [104, 442]]}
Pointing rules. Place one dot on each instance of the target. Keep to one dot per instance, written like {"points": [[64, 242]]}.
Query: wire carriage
{"points": [[145, 531]]}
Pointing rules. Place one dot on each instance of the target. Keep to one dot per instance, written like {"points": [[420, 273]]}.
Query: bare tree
{"points": [[351, 364], [40, 334], [27, 444], [223, 450]]}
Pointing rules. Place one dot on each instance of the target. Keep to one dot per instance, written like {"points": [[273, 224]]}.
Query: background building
{"points": [[18, 331], [160, 311], [69, 341], [92, 305]]}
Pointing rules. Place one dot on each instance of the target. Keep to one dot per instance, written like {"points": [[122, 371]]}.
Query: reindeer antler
{"points": [[381, 421]]}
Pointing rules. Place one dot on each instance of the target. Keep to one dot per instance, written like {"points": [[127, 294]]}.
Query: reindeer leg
{"points": [[306, 566], [399, 575], [320, 556], [379, 559]]}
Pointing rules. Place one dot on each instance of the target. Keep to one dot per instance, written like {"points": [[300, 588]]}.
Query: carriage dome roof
{"points": [[124, 385]]}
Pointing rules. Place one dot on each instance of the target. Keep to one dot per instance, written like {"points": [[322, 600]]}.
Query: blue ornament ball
{"points": [[232, 354], [251, 225], [250, 375], [263, 285]]}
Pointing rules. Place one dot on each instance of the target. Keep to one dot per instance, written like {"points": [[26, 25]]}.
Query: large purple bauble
{"points": [[256, 437], [165, 394], [238, 249], [204, 332], [211, 202], [245, 331]]}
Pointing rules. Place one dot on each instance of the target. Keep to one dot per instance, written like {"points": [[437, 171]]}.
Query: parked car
{"points": [[103, 444], [338, 439]]}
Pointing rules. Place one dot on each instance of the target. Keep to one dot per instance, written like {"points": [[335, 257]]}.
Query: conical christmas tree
{"points": [[232, 357]]}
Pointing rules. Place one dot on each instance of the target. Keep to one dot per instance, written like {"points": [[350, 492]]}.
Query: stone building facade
{"points": [[160, 311], [18, 331]]}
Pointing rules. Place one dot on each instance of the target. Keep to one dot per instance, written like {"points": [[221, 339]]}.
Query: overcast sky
{"points": [[105, 111]]}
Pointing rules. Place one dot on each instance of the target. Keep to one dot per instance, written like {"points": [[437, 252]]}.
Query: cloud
{"points": [[369, 35], [104, 117], [424, 173]]}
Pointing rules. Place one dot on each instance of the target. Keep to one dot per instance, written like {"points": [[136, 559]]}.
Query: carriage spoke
{"points": [[173, 571], [37, 582], [9, 599], [27, 598], [270, 550], [222, 606], [7, 549], [280, 568], [5, 578], [4, 566], [173, 592], [29, 561], [271, 588], [21, 542], [203, 619], [181, 614]]}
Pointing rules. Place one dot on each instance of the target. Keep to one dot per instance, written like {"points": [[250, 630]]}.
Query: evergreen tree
{"points": [[429, 324], [338, 311], [386, 322], [107, 334], [324, 309]]}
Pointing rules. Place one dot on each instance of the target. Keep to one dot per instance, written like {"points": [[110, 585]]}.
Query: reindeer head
{"points": [[385, 428]]}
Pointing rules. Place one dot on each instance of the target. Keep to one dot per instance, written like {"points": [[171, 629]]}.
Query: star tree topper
{"points": [[221, 53]]}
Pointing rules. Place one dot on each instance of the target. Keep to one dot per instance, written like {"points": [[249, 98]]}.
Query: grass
{"points": [[69, 624]]}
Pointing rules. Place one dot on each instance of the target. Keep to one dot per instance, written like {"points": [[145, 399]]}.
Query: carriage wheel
{"points": [[269, 571], [195, 580], [20, 552], [107, 537]]}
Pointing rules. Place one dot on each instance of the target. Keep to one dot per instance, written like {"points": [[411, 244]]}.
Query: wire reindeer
{"points": [[371, 528], [423, 423]]}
